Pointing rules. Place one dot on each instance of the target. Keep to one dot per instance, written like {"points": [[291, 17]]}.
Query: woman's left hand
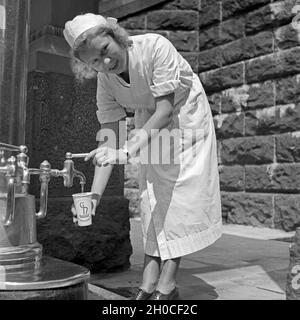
{"points": [[105, 155]]}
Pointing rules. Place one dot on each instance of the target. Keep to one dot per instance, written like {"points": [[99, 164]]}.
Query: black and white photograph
{"points": [[149, 150]]}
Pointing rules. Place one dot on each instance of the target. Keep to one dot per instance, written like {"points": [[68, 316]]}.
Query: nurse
{"points": [[174, 141]]}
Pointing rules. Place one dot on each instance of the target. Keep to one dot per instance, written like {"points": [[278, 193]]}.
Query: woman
{"points": [[180, 197]]}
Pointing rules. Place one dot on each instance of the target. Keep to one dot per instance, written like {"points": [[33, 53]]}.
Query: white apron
{"points": [[180, 202]]}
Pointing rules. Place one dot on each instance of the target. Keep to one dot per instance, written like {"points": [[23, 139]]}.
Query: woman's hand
{"points": [[105, 155], [95, 201]]}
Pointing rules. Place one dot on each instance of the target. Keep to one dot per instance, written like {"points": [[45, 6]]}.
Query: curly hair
{"points": [[80, 69]]}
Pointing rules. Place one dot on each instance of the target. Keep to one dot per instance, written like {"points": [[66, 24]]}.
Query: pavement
{"points": [[246, 263]]}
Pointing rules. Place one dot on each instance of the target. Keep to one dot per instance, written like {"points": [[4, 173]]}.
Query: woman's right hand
{"points": [[95, 202], [74, 213]]}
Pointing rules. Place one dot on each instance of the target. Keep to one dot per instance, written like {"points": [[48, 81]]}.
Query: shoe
{"points": [[173, 295], [141, 295]]}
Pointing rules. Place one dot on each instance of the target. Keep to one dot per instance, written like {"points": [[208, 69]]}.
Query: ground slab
{"points": [[246, 263]]}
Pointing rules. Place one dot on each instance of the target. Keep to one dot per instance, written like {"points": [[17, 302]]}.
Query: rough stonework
{"points": [[248, 58]]}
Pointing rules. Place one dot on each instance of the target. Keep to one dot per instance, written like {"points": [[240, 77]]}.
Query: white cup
{"points": [[83, 206]]}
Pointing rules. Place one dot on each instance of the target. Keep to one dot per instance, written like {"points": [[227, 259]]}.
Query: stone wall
{"points": [[248, 58]]}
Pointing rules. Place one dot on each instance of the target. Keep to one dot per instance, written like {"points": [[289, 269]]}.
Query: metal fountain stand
{"points": [[24, 272]]}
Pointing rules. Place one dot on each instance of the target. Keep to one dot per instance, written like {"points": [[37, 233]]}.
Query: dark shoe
{"points": [[173, 295], [141, 295]]}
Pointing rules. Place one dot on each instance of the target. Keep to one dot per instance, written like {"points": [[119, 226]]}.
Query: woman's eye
{"points": [[104, 49]]}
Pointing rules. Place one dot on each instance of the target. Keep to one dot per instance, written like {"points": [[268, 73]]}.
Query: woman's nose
{"points": [[106, 61]]}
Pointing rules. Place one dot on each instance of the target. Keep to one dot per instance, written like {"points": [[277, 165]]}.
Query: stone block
{"points": [[209, 37], [210, 14], [192, 59], [215, 103], [248, 209], [134, 22], [261, 95], [287, 208], [288, 61], [258, 45], [103, 246], [248, 150], [232, 7], [288, 90], [181, 5], [184, 40], [232, 29], [279, 64], [205, 3], [261, 68], [131, 179], [248, 47], [288, 118], [232, 178], [172, 19], [229, 125], [210, 59], [261, 122], [273, 120], [222, 78], [288, 147], [274, 177], [234, 99], [232, 52], [273, 14], [286, 37], [133, 195]]}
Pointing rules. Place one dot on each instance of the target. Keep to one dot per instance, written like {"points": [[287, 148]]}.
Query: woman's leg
{"points": [[150, 273], [167, 279]]}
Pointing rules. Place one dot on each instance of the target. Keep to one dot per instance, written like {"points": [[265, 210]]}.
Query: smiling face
{"points": [[105, 55]]}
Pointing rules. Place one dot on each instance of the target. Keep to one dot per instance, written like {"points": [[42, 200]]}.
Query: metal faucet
{"points": [[17, 172], [69, 173]]}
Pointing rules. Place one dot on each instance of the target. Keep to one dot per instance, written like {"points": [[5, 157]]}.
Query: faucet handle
{"points": [[70, 155]]}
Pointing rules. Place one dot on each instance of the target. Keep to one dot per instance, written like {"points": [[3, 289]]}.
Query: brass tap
{"points": [[17, 172]]}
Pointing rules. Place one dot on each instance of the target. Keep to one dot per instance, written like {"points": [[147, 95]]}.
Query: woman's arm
{"points": [[102, 173], [160, 119]]}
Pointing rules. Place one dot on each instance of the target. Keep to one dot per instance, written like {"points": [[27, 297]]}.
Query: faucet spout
{"points": [[44, 172], [81, 177], [69, 173]]}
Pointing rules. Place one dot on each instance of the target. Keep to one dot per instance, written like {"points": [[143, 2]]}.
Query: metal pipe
{"points": [[9, 147], [43, 200], [45, 169], [10, 207], [70, 155], [14, 51]]}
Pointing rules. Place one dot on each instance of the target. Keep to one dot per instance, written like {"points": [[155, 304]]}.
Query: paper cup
{"points": [[83, 206]]}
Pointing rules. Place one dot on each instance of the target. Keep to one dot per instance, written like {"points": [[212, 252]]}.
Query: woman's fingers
{"points": [[90, 155], [75, 220], [99, 151]]}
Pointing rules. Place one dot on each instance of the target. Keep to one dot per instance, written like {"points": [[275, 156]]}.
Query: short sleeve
{"points": [[166, 71], [109, 110]]}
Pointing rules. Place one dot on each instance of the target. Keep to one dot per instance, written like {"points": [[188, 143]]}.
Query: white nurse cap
{"points": [[81, 23]]}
